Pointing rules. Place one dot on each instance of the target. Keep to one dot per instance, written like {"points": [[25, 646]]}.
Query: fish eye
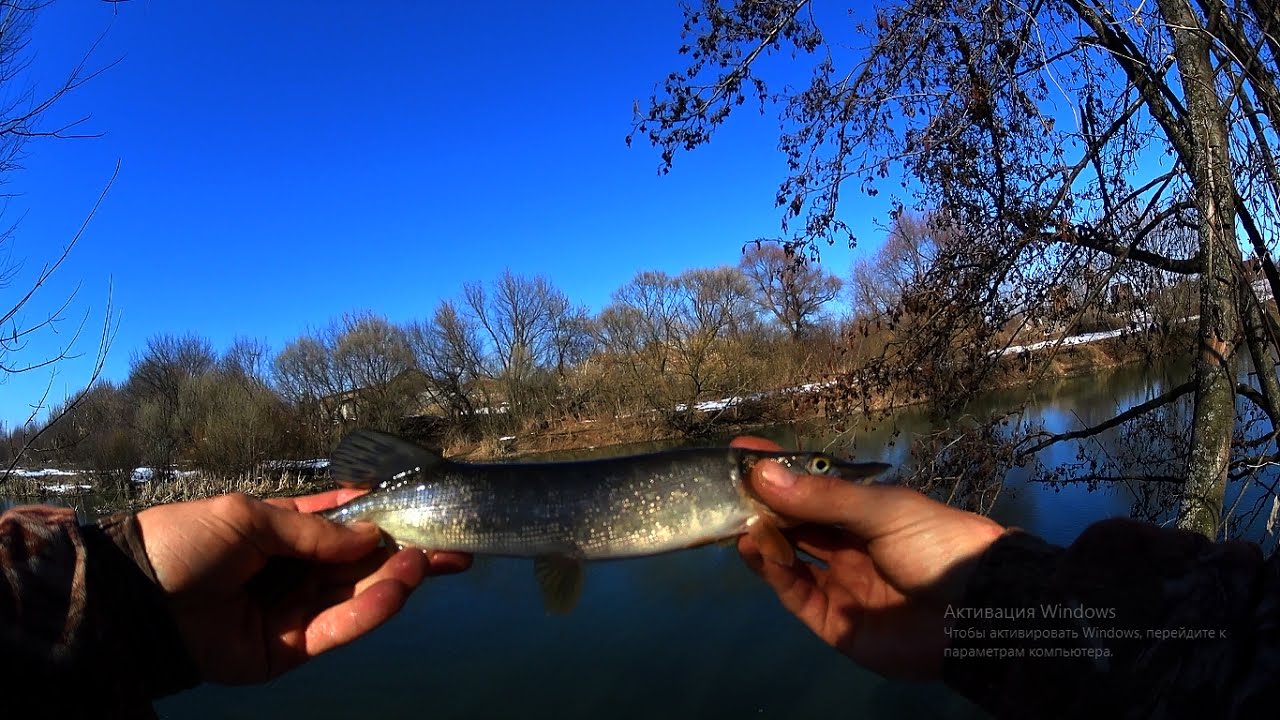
{"points": [[819, 465]]}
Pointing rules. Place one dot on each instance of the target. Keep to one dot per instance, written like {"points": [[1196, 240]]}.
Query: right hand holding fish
{"points": [[894, 560]]}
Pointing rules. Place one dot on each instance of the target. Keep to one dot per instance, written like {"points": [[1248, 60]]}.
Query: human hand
{"points": [[259, 587], [894, 560]]}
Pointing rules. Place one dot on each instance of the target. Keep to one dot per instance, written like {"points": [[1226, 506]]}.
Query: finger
{"points": [[866, 511], [318, 501], [408, 567], [347, 574], [751, 442], [376, 599], [331, 584], [756, 561], [798, 587], [348, 620], [278, 531], [824, 541], [772, 543], [437, 562], [440, 562], [751, 555]]}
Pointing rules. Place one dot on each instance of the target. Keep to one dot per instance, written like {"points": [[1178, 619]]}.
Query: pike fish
{"points": [[562, 513]]}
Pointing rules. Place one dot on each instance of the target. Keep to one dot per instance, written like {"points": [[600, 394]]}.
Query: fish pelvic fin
{"points": [[560, 580], [368, 458]]}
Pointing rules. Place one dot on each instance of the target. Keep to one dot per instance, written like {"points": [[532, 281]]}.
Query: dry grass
{"points": [[21, 487], [103, 498], [195, 487]]}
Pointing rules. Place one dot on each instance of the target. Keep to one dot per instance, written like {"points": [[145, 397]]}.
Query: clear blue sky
{"points": [[283, 163]]}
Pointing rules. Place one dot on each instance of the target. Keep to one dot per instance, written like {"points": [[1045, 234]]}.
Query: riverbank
{"points": [[1020, 365]]}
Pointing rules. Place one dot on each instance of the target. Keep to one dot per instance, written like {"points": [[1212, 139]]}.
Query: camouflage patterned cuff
{"points": [[146, 642]]}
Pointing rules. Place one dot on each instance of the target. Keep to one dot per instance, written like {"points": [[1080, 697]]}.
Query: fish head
{"points": [[765, 527], [819, 463]]}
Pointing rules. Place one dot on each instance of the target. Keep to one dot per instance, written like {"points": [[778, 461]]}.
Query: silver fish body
{"points": [[591, 510], [570, 511]]}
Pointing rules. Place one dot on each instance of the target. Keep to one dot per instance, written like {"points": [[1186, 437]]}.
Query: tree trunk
{"points": [[1210, 169], [1214, 414]]}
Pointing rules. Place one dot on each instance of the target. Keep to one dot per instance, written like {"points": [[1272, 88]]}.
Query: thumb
{"points": [[867, 511]]}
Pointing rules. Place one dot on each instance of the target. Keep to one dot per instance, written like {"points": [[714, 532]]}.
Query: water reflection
{"points": [[686, 635]]}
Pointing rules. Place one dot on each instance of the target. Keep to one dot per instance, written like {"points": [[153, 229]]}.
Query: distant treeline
{"points": [[511, 356]]}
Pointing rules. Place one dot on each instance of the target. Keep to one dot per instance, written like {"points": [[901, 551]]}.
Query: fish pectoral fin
{"points": [[560, 580], [773, 545], [368, 458]]}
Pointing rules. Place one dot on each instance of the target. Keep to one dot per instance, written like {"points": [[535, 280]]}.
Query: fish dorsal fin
{"points": [[368, 458], [560, 580]]}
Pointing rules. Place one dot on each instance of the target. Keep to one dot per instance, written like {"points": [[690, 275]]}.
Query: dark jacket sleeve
{"points": [[84, 628], [1130, 621]]}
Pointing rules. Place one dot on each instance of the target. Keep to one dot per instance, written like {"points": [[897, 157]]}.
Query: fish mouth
{"points": [[864, 473], [861, 472]]}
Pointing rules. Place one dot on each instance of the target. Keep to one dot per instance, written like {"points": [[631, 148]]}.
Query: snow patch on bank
{"points": [[43, 472], [1070, 340], [725, 403], [145, 474]]}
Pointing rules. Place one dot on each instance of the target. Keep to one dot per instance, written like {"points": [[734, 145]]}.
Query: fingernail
{"points": [[774, 474]]}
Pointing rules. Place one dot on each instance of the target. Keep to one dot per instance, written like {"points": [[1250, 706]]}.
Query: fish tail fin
{"points": [[368, 458]]}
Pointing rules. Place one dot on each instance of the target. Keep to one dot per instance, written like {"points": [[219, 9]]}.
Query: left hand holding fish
{"points": [[259, 587], [891, 561]]}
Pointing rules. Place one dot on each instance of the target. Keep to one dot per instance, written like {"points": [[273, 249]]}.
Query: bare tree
{"points": [[635, 332], [303, 372], [572, 339], [243, 423], [678, 342], [354, 371], [164, 382], [249, 358], [523, 321], [791, 288], [449, 350], [372, 357], [22, 115], [107, 443], [899, 267]]}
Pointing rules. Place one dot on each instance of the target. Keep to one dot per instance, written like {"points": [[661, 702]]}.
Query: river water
{"points": [[686, 635]]}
